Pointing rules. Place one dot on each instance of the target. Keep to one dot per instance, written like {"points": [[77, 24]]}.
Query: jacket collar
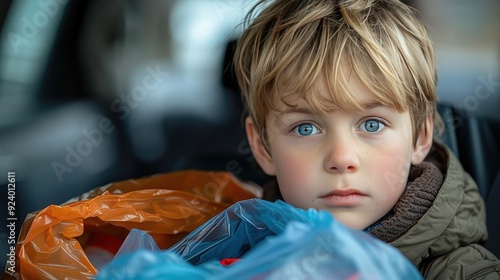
{"points": [[454, 215]]}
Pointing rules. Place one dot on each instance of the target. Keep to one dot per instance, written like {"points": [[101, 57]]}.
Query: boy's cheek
{"points": [[394, 171], [292, 161], [291, 173], [289, 170]]}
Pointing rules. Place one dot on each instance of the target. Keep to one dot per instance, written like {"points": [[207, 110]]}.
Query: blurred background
{"points": [[93, 91]]}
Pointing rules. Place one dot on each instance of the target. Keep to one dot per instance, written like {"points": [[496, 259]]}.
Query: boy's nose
{"points": [[342, 157]]}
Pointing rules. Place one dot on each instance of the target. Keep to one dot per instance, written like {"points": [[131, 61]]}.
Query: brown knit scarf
{"points": [[424, 182]]}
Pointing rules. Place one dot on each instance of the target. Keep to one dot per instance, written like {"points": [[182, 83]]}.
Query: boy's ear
{"points": [[424, 141], [258, 149]]}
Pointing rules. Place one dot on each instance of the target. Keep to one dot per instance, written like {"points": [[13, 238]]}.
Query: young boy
{"points": [[341, 101]]}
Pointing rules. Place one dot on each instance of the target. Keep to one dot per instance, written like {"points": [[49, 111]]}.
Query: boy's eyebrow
{"points": [[297, 109], [371, 105], [309, 111]]}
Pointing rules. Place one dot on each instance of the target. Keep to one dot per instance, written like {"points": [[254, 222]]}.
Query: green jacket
{"points": [[445, 242]]}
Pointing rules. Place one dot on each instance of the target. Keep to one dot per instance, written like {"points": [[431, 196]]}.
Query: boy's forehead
{"points": [[322, 98]]}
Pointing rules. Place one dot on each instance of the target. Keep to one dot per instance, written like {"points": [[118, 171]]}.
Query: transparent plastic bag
{"points": [[273, 241], [137, 240], [167, 206]]}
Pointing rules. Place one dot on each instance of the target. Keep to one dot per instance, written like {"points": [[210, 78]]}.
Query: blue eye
{"points": [[305, 129], [372, 126]]}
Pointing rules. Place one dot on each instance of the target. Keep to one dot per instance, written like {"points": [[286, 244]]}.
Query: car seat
{"points": [[474, 139]]}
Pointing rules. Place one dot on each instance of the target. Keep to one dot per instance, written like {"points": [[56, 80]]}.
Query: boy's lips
{"points": [[343, 197]]}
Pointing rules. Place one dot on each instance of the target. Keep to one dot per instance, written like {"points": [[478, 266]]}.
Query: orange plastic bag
{"points": [[167, 206]]}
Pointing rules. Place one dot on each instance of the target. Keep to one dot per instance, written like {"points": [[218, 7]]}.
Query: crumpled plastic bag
{"points": [[273, 241], [137, 240], [167, 206]]}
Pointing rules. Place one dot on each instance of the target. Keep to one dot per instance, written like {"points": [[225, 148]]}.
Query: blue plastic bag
{"points": [[274, 241]]}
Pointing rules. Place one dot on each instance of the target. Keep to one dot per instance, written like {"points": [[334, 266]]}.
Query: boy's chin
{"points": [[357, 226], [352, 222]]}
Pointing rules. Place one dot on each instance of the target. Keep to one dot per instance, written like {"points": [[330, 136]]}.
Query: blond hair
{"points": [[290, 44]]}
